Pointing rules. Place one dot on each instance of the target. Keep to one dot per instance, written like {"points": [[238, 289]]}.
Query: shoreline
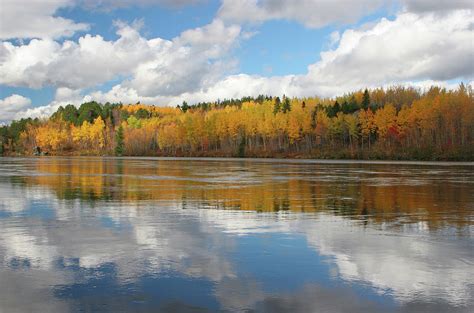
{"points": [[252, 159]]}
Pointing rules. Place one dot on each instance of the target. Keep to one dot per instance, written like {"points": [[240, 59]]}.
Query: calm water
{"points": [[166, 235]]}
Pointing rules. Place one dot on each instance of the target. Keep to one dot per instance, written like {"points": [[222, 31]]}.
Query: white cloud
{"points": [[409, 48], [35, 19], [398, 264], [234, 86], [86, 63], [63, 97], [115, 4], [320, 13], [42, 111], [412, 49], [194, 60], [158, 65], [311, 13], [415, 49], [67, 94], [420, 6], [157, 69], [11, 105], [334, 38]]}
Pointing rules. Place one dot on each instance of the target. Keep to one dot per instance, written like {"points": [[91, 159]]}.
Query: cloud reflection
{"points": [[65, 253]]}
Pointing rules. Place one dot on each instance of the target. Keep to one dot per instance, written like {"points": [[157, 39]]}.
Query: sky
{"points": [[164, 52]]}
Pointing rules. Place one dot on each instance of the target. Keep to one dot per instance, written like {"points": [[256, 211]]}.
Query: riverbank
{"points": [[340, 154]]}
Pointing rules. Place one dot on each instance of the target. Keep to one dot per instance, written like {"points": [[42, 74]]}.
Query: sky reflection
{"points": [[168, 253]]}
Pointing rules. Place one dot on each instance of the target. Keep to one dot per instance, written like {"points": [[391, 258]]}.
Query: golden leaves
{"points": [[437, 119]]}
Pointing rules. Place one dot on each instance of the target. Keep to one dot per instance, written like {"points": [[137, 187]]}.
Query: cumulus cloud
{"points": [[115, 4], [195, 59], [35, 19], [320, 13], [413, 49], [63, 97], [156, 64], [312, 13], [420, 6], [233, 86], [409, 48], [34, 112], [11, 105], [86, 63]]}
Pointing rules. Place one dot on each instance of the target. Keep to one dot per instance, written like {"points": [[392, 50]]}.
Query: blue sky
{"points": [[160, 52]]}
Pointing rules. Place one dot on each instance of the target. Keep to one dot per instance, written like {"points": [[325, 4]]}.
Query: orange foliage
{"points": [[398, 123]]}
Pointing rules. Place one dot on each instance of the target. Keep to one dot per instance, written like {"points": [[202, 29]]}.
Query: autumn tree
{"points": [[52, 136], [399, 122], [367, 125]]}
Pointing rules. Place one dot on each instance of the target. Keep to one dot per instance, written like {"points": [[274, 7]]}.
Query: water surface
{"points": [[222, 235]]}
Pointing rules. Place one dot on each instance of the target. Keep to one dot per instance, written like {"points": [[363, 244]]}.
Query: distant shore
{"points": [[382, 124], [305, 157]]}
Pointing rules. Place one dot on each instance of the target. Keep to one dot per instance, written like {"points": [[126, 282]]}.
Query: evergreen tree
{"points": [[107, 110], [119, 144], [241, 151], [70, 114], [346, 107], [314, 115], [142, 114], [1, 146], [277, 106], [365, 100], [353, 105], [17, 127], [333, 110], [184, 106], [286, 107], [58, 114], [89, 111], [124, 115]]}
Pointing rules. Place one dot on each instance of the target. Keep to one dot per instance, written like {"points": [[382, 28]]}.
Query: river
{"points": [[235, 235]]}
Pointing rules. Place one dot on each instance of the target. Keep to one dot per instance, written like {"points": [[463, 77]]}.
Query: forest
{"points": [[401, 123]]}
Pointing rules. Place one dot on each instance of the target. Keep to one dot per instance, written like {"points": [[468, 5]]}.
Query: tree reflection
{"points": [[379, 193]]}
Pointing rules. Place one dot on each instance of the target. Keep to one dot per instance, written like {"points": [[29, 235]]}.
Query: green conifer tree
{"points": [[119, 144]]}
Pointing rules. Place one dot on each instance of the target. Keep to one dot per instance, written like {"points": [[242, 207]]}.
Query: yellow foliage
{"points": [[397, 118], [89, 136], [52, 135], [384, 119]]}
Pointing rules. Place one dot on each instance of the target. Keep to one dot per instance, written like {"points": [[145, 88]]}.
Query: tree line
{"points": [[394, 123]]}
